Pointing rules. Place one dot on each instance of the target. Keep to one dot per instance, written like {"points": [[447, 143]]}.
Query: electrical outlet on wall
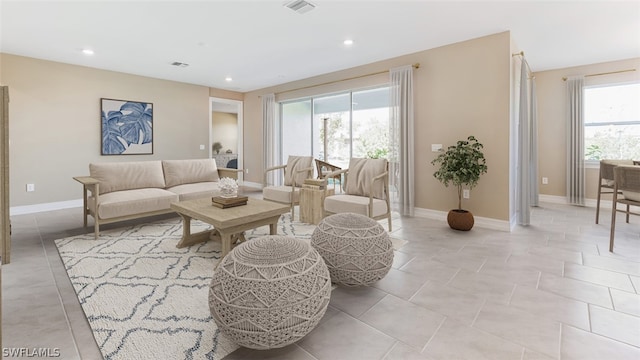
{"points": [[545, 180], [465, 193], [31, 187]]}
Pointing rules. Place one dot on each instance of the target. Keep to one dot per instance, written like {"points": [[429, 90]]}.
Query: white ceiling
{"points": [[263, 43]]}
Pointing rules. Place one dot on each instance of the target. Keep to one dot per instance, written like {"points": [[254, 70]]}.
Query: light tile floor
{"points": [[547, 291]]}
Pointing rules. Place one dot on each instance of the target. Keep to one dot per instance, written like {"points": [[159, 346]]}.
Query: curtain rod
{"points": [[415, 66], [604, 73], [521, 53]]}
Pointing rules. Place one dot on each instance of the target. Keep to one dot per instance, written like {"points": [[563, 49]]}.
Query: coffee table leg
{"points": [[188, 238], [226, 243], [273, 227]]}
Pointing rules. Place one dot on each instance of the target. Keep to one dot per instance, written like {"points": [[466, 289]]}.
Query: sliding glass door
{"points": [[371, 123], [332, 129], [335, 128], [296, 129]]}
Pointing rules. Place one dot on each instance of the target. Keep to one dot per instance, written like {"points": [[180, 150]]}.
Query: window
{"points": [[612, 122], [337, 127]]}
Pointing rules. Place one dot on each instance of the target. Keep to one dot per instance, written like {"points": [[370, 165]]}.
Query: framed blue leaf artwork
{"points": [[127, 127]]}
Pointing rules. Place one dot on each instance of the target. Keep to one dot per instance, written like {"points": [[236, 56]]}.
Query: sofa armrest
{"points": [[88, 184], [229, 172], [86, 180]]}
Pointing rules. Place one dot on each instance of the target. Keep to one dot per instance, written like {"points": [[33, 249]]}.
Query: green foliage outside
{"points": [[612, 143], [378, 153], [370, 138]]}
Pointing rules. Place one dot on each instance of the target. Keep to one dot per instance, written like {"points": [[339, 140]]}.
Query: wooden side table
{"points": [[312, 204]]}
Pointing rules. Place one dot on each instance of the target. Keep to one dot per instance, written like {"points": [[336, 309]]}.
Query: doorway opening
{"points": [[226, 133]]}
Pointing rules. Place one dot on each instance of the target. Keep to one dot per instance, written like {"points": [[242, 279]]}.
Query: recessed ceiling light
{"points": [[348, 42], [87, 51], [228, 79]]}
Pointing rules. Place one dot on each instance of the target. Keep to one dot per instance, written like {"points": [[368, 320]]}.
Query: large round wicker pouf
{"points": [[269, 292], [356, 248]]}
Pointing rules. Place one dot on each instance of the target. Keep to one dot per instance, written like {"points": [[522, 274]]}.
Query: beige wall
{"points": [[460, 89], [55, 123], [224, 129], [552, 112]]}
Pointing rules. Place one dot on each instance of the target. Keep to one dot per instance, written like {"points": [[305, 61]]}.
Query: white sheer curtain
{"points": [[271, 136], [533, 121], [575, 141], [401, 171], [524, 151]]}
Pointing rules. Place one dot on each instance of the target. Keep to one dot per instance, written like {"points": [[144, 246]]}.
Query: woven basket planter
{"points": [[357, 249], [269, 292], [460, 220]]}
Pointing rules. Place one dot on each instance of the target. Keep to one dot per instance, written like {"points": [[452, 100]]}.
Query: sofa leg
{"points": [[96, 229]]}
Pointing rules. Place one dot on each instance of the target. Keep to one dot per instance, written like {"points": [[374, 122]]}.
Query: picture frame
{"points": [[126, 127]]}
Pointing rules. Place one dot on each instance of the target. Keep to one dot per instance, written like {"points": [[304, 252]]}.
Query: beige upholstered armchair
{"points": [[297, 169], [366, 190]]}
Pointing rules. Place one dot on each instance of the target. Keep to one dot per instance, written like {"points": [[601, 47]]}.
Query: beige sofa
{"points": [[127, 190]]}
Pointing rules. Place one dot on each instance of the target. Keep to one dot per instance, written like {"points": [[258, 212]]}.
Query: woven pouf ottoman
{"points": [[356, 248], [269, 292]]}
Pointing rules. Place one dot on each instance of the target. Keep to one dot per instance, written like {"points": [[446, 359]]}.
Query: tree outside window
{"points": [[612, 122]]}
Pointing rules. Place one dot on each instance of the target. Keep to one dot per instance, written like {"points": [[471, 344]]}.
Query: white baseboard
{"points": [[252, 184], [554, 199], [36, 208], [486, 223]]}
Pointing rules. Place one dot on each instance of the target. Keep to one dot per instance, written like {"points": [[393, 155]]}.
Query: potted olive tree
{"points": [[461, 164], [217, 147]]}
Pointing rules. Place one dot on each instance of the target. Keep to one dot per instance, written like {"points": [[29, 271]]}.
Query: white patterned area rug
{"points": [[146, 299]]}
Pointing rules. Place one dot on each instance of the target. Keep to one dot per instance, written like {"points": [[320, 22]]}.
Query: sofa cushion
{"points": [[360, 174], [127, 175], [178, 172], [355, 204], [130, 202], [281, 194], [295, 164], [196, 190]]}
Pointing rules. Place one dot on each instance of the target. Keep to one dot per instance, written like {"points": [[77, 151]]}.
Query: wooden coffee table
{"points": [[229, 224]]}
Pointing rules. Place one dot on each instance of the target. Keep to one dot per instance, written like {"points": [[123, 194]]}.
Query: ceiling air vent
{"points": [[179, 64], [300, 6]]}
